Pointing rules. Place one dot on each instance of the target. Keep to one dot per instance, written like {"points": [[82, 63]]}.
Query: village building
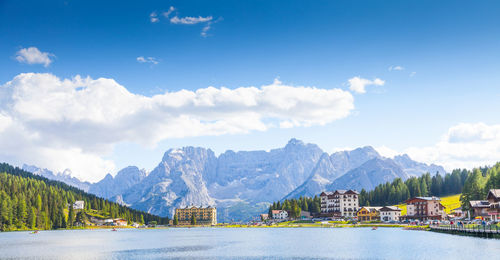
{"points": [[368, 214], [457, 213], [264, 217], [487, 209], [279, 214], [120, 222], [79, 204], [203, 215], [424, 208], [339, 203], [390, 213]]}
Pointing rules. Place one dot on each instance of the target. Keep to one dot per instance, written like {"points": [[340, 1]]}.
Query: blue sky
{"points": [[449, 85]]}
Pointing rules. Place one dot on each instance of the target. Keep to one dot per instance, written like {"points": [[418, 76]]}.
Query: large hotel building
{"points": [[204, 216], [339, 203]]}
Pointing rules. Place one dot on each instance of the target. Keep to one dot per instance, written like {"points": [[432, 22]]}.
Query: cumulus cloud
{"points": [[358, 84], [398, 68], [33, 55], [464, 145], [152, 60], [75, 123]]}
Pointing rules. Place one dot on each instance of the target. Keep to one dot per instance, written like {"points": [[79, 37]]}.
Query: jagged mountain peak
{"points": [[60, 176], [186, 152], [108, 177], [111, 186], [295, 142]]}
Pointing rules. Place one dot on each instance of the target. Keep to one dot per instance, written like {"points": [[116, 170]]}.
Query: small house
{"points": [[390, 213], [279, 214], [79, 204], [120, 222]]}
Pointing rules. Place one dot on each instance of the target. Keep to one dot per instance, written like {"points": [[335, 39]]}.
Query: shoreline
{"points": [[292, 225]]}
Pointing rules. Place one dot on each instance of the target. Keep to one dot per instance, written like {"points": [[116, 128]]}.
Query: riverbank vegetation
{"points": [[29, 201]]}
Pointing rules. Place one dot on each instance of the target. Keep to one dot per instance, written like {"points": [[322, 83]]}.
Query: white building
{"points": [[280, 214], [79, 204], [340, 203], [390, 213]]}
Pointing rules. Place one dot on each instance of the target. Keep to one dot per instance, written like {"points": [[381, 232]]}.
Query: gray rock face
{"points": [[176, 182], [64, 176], [263, 176], [370, 174], [124, 179], [329, 168], [414, 168]]}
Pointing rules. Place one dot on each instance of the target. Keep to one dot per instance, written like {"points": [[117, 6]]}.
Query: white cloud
{"points": [[463, 146], [32, 55], [152, 60], [154, 17], [75, 123], [190, 20], [206, 28], [399, 68], [168, 12], [358, 84]]}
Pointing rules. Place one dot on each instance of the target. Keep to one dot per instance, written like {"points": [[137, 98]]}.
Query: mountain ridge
{"points": [[243, 183]]}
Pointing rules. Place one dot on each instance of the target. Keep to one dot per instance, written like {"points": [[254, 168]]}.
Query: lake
{"points": [[245, 243]]}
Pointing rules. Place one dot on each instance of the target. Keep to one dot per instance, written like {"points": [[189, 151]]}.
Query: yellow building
{"points": [[368, 213], [204, 216]]}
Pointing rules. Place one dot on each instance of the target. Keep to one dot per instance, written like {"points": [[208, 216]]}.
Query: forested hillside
{"points": [[28, 201], [479, 182], [398, 191]]}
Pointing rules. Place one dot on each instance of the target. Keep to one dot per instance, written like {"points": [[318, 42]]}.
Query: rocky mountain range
{"points": [[64, 176], [242, 184]]}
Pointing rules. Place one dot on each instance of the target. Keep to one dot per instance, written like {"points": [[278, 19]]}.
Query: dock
{"points": [[477, 231]]}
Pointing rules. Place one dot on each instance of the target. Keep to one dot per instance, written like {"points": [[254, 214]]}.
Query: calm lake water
{"points": [[243, 243]]}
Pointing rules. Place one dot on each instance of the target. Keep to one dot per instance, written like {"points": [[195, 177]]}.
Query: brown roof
{"points": [[325, 193], [390, 208], [495, 193]]}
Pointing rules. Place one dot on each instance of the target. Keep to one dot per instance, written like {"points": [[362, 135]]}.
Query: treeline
{"points": [[294, 206], [479, 182], [398, 191], [29, 201]]}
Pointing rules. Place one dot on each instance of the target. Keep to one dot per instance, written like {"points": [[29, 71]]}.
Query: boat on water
{"points": [[374, 228], [114, 229]]}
